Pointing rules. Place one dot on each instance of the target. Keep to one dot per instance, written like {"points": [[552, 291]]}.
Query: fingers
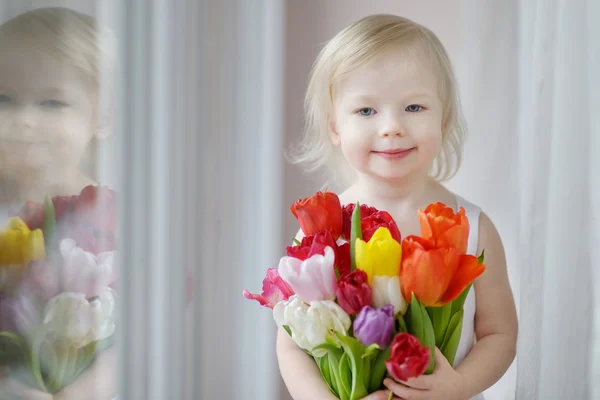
{"points": [[403, 391], [440, 360], [378, 395], [423, 382]]}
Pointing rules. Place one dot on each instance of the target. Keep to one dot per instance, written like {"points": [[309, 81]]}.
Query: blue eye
{"points": [[414, 108], [366, 111], [54, 104]]}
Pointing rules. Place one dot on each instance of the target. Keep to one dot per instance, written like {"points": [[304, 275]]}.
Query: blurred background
{"points": [[208, 96]]}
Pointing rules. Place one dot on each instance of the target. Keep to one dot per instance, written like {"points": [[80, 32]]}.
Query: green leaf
{"points": [[355, 233], [49, 224], [367, 361], [12, 349], [402, 323], [452, 338], [370, 351], [34, 359], [334, 362], [354, 351], [345, 374], [287, 329], [51, 365], [323, 364], [440, 317], [296, 242], [421, 327], [459, 302], [71, 362], [329, 347], [481, 258], [378, 370], [416, 319]]}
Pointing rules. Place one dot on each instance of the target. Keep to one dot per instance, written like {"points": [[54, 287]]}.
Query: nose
{"points": [[393, 126], [24, 118]]}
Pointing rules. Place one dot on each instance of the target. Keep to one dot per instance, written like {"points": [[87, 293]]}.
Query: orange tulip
{"points": [[444, 227], [322, 211], [436, 275]]}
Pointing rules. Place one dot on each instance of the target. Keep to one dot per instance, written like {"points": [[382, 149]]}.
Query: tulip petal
{"points": [[381, 255], [468, 269], [83, 272], [311, 279], [386, 290], [427, 273], [444, 227]]}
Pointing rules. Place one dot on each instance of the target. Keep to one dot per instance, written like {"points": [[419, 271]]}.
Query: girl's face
{"points": [[47, 112], [388, 117]]}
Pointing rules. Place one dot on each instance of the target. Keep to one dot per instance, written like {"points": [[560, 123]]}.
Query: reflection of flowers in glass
{"points": [[80, 320], [18, 314], [79, 271], [19, 244]]}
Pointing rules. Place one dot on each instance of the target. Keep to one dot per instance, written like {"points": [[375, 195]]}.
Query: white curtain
{"points": [[530, 90]]}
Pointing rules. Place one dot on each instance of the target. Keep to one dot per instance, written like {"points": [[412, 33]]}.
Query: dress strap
{"points": [[473, 212]]}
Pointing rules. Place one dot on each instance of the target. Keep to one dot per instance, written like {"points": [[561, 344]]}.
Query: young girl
{"points": [[51, 110], [384, 119]]}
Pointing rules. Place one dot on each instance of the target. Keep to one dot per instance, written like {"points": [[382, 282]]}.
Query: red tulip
{"points": [[370, 220], [319, 212], [444, 227], [32, 214], [408, 358], [97, 206], [436, 275], [353, 291]]}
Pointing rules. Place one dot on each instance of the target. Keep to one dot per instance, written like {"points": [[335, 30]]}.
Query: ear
{"points": [[332, 130]]}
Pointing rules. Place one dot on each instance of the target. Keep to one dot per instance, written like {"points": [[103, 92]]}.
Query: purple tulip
{"points": [[375, 325]]}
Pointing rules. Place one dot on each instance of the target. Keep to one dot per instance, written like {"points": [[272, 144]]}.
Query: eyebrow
{"points": [[367, 97], [55, 91]]}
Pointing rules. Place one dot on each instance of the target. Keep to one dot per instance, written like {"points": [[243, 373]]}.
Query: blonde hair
{"points": [[348, 50]]}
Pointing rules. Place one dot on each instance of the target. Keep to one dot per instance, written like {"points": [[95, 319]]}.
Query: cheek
{"points": [[354, 142], [427, 134], [68, 130]]}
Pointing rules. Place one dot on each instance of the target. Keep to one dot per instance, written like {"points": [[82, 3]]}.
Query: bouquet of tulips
{"points": [[365, 303], [57, 302]]}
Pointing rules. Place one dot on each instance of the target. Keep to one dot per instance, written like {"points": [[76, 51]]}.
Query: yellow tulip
{"points": [[381, 255], [19, 245]]}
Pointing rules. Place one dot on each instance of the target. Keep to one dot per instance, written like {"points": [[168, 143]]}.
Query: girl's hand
{"points": [[378, 395], [15, 389], [444, 383]]}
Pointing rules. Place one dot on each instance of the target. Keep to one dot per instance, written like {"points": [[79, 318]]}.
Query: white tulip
{"points": [[386, 290], [80, 320], [310, 324]]}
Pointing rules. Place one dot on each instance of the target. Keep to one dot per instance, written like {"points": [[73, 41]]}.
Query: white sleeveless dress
{"points": [[467, 337]]}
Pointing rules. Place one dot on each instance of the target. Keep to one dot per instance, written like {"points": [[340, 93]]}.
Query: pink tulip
{"points": [[274, 290], [79, 272], [311, 279]]}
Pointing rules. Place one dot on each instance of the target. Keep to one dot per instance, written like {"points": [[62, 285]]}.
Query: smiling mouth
{"points": [[395, 154]]}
